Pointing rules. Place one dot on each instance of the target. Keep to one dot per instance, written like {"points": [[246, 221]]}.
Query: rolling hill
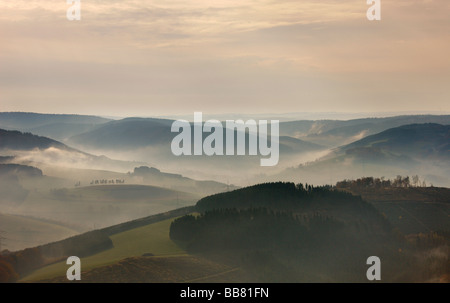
{"points": [[86, 130], [55, 126], [128, 133], [144, 250], [27, 148], [21, 232], [149, 140], [411, 210], [147, 235], [151, 175], [62, 161], [97, 206], [131, 133], [16, 140], [333, 133], [416, 149], [143, 254], [420, 141], [291, 145], [11, 189]]}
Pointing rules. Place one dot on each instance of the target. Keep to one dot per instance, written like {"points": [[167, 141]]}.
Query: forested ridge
{"points": [[294, 232]]}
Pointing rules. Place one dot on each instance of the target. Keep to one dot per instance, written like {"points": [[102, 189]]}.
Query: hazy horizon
{"points": [[283, 117]]}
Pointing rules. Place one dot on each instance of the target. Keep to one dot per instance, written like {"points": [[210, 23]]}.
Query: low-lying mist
{"points": [[70, 159], [237, 170]]}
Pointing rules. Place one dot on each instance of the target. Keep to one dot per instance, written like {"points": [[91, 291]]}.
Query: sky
{"points": [[158, 57]]}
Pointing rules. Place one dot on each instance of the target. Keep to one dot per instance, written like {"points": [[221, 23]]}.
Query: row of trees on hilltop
{"points": [[105, 181], [371, 182]]}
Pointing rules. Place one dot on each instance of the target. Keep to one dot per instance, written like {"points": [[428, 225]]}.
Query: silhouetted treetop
{"points": [[278, 195]]}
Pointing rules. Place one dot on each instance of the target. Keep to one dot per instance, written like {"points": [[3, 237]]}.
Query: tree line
{"points": [[105, 181], [378, 183], [278, 196]]}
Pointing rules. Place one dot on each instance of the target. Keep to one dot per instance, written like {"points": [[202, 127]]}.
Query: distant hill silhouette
{"points": [[415, 149], [11, 140], [295, 136], [127, 133], [333, 133], [294, 145], [12, 192], [20, 170], [89, 129], [131, 133], [20, 120], [151, 175], [422, 141], [16, 140], [55, 126]]}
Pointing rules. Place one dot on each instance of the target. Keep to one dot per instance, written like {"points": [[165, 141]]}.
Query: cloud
{"points": [[54, 156], [257, 55]]}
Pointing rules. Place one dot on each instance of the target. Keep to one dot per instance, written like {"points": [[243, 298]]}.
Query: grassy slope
{"points": [[153, 238], [22, 232]]}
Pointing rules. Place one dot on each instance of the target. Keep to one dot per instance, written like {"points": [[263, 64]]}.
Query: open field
{"points": [[153, 238], [94, 207], [21, 232]]}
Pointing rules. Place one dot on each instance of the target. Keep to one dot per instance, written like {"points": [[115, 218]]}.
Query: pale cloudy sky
{"points": [[160, 57]]}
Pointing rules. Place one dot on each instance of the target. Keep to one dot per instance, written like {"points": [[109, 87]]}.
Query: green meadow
{"points": [[152, 238]]}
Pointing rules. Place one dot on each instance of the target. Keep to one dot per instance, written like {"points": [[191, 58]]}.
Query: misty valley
{"points": [[113, 193], [213, 144]]}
